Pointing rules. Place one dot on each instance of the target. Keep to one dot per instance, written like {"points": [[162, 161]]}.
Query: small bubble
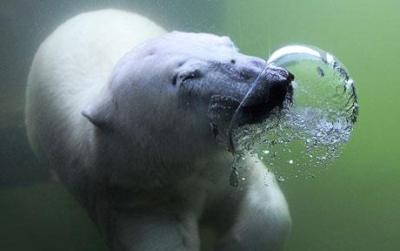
{"points": [[291, 161], [266, 152], [281, 179]]}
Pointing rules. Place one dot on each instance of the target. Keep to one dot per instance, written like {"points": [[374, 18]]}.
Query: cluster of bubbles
{"points": [[309, 132]]}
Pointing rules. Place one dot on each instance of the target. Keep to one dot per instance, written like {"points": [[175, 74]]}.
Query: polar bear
{"points": [[128, 116]]}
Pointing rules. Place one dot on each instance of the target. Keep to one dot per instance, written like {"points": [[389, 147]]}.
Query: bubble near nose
{"points": [[322, 81], [310, 133]]}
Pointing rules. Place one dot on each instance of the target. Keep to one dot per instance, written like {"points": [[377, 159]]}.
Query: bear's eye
{"points": [[190, 75], [182, 77]]}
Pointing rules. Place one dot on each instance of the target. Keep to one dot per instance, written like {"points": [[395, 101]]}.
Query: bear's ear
{"points": [[99, 112]]}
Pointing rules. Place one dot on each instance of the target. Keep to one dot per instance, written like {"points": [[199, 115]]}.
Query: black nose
{"points": [[267, 92], [278, 75], [280, 89], [290, 77]]}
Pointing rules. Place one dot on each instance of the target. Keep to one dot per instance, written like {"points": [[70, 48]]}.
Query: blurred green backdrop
{"points": [[352, 205]]}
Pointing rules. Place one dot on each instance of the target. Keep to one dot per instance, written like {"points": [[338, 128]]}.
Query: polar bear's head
{"points": [[179, 91]]}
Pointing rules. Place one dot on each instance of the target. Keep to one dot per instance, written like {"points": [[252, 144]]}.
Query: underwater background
{"points": [[353, 204]]}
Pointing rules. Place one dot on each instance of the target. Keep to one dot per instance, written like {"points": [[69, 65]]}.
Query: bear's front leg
{"points": [[263, 222], [153, 230]]}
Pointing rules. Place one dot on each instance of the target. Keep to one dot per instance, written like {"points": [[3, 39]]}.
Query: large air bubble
{"points": [[310, 132]]}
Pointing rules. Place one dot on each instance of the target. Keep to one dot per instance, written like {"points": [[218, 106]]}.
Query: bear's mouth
{"points": [[267, 95]]}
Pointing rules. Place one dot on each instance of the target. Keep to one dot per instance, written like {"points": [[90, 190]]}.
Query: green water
{"points": [[353, 205]]}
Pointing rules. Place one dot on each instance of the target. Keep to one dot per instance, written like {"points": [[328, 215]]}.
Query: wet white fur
{"points": [[71, 73]]}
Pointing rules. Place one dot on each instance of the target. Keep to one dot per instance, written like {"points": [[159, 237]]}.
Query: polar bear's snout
{"points": [[268, 91], [257, 87], [236, 91]]}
